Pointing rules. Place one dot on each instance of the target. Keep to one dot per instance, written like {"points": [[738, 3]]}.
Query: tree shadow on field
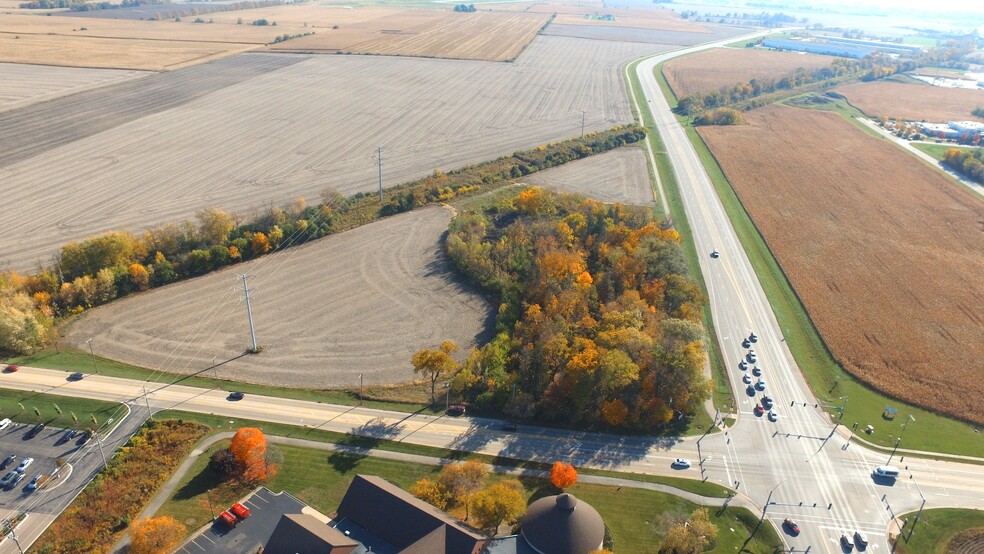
{"points": [[199, 484], [458, 284], [356, 445]]}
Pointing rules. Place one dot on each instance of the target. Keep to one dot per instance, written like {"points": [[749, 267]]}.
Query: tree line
{"points": [[97, 270], [598, 324], [967, 163]]}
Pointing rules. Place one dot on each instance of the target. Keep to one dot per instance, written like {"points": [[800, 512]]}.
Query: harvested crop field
{"points": [[914, 101], [361, 302], [885, 252], [109, 53], [23, 85], [468, 36], [725, 67], [620, 175], [74, 25], [285, 131], [666, 20]]}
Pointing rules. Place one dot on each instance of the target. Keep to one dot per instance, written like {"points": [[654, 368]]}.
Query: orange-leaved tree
{"points": [[563, 475], [435, 363], [157, 535], [249, 447]]}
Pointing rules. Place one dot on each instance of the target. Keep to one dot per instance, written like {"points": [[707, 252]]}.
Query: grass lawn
{"points": [[937, 527], [723, 396], [937, 150], [320, 479], [827, 378], [24, 407]]}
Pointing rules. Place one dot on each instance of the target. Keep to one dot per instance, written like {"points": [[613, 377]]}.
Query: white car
{"points": [[4, 423], [747, 379], [773, 415], [681, 463], [25, 463]]}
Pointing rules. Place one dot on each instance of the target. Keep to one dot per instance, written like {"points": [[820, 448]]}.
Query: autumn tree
{"points": [[158, 535], [432, 493], [691, 537], [500, 502], [563, 475], [214, 226], [106, 250], [435, 363], [463, 480], [249, 447], [23, 328], [259, 244], [139, 276]]}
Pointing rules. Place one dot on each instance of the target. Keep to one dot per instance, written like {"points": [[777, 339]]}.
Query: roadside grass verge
{"points": [[635, 516], [222, 424], [722, 395], [25, 407], [937, 527], [828, 380], [937, 150]]}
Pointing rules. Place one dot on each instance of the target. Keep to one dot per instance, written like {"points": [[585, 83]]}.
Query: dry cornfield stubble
{"points": [[885, 252], [25, 84], [361, 302], [620, 175], [257, 129], [725, 67], [914, 101]]}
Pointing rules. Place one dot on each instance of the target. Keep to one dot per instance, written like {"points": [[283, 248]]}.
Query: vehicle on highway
{"points": [[228, 519], [759, 410], [14, 480], [35, 430], [756, 371], [11, 367], [34, 482], [7, 461], [888, 472], [766, 401], [715, 254], [509, 427], [25, 463], [241, 512], [236, 395], [746, 343], [760, 384], [746, 378], [861, 540], [77, 376], [773, 415], [743, 365], [846, 541], [7, 478], [681, 463], [752, 357], [456, 410], [794, 528], [753, 337], [4, 423]]}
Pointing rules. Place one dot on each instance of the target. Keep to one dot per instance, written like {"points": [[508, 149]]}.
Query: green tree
{"points": [[214, 226], [117, 248], [23, 329], [435, 363], [691, 537]]}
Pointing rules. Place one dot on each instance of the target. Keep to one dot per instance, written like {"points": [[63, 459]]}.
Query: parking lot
{"points": [[265, 506], [45, 448]]}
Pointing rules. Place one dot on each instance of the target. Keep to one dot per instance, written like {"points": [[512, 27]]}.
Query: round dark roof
{"points": [[562, 525]]}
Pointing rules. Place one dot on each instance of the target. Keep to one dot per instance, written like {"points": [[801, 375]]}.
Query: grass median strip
{"points": [[54, 410]]}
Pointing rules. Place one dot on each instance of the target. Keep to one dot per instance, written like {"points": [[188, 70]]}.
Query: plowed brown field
{"points": [[470, 36], [886, 253], [914, 101], [725, 67], [361, 302]]}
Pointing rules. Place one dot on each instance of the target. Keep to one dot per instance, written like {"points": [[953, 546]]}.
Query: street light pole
{"points": [[447, 396], [899, 440], [360, 389], [769, 500], [91, 353]]}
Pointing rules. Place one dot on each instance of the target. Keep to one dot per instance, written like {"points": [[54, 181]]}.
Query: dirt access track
{"points": [[886, 253], [259, 129], [360, 302]]}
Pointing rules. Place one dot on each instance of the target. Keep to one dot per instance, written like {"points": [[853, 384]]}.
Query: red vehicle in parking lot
{"points": [[241, 512], [228, 519]]}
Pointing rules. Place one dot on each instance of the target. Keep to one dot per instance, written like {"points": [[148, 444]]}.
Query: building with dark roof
{"points": [[405, 523], [306, 534], [562, 525]]}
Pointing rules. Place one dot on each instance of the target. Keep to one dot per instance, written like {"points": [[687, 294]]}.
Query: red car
{"points": [[12, 367], [241, 512], [456, 410], [228, 519], [758, 409], [792, 526]]}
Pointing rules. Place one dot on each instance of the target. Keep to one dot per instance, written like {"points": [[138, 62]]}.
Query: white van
{"points": [[889, 472]]}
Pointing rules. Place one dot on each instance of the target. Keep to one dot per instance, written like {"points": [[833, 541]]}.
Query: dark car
{"points": [[35, 430], [456, 410], [509, 427], [715, 254], [77, 376], [68, 435], [794, 529], [7, 461], [236, 395]]}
